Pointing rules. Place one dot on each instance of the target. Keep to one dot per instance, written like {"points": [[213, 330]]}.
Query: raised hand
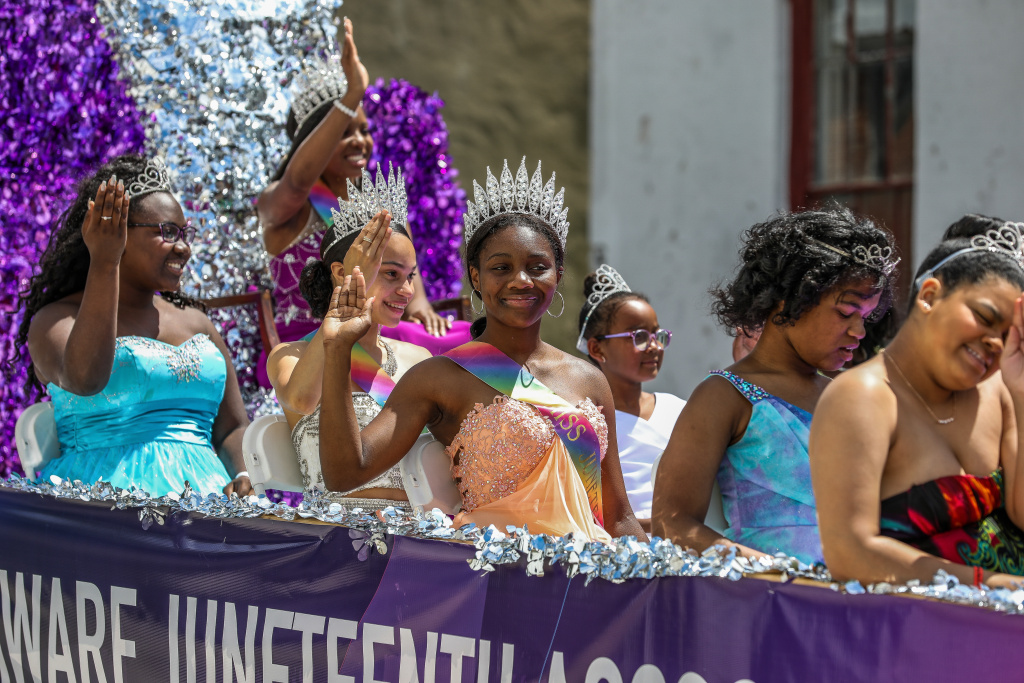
{"points": [[355, 72], [367, 252], [348, 317], [105, 228], [1011, 364]]}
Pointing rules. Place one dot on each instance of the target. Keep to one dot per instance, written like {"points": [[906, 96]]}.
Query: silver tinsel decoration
{"points": [[626, 558], [213, 77]]}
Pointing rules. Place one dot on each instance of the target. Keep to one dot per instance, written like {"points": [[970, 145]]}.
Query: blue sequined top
{"points": [[765, 478], [151, 425]]}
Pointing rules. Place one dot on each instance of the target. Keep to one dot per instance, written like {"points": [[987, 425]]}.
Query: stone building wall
{"points": [[515, 79]]}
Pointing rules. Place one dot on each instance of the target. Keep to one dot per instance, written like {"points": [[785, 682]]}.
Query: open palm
{"points": [[348, 317], [1011, 364]]}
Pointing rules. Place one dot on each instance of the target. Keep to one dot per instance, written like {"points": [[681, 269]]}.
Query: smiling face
{"points": [[966, 327], [393, 287], [517, 275], [353, 150], [826, 336], [149, 262], [619, 356]]}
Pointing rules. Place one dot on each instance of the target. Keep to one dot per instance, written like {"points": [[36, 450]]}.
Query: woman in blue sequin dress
{"points": [[143, 390], [809, 281]]}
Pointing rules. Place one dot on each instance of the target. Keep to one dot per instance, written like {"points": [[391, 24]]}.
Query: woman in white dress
{"points": [[384, 254], [619, 332]]}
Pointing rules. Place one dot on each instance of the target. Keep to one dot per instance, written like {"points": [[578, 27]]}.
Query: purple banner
{"points": [[87, 594]]}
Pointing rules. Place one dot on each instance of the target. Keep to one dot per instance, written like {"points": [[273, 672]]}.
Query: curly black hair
{"points": [[64, 264], [315, 283], [786, 267], [603, 314], [972, 224], [491, 227]]}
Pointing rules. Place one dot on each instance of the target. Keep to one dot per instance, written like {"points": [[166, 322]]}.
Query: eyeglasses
{"points": [[642, 338], [171, 232]]}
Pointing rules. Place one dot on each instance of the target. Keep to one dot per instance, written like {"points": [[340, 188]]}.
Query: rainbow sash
{"points": [[370, 377], [323, 200], [504, 375]]}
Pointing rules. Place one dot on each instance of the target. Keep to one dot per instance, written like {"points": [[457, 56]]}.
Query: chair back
{"points": [[715, 517], [270, 456], [427, 476], [35, 434]]}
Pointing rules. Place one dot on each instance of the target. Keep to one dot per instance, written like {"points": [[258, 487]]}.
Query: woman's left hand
{"points": [[424, 314], [240, 485], [348, 317], [1011, 364]]}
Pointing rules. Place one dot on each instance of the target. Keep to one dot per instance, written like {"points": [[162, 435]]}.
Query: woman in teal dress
{"points": [[143, 390], [808, 282]]}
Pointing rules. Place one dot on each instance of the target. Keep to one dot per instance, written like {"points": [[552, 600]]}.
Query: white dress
{"points": [[306, 439], [640, 443]]}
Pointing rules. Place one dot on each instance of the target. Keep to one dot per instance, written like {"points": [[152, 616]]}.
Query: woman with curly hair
{"points": [[808, 281], [915, 455], [143, 389]]}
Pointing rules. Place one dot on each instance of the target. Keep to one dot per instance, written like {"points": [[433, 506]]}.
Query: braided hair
{"points": [[64, 264]]}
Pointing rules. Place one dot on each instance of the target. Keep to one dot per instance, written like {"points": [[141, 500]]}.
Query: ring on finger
{"points": [[106, 218], [367, 238]]}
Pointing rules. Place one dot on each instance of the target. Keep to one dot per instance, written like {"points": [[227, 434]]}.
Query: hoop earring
{"points": [[472, 304], [556, 315]]}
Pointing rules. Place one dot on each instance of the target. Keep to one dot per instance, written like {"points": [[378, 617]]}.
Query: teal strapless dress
{"points": [[151, 426]]}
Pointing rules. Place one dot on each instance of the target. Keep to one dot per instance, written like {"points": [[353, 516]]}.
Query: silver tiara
{"points": [[362, 205], [521, 195], [1007, 240], [321, 80], [154, 178], [608, 282], [875, 257]]}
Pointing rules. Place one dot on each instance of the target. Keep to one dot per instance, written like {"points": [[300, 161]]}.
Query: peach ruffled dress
{"points": [[512, 468]]}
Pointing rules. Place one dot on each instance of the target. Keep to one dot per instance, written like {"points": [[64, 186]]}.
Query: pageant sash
{"points": [[506, 376], [370, 376], [323, 200]]}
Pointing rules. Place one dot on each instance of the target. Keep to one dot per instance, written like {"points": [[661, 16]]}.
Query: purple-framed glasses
{"points": [[642, 338], [171, 232]]}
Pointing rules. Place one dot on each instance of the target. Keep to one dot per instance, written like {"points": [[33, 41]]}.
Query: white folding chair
{"points": [[426, 474], [270, 456], [715, 517], [35, 434]]}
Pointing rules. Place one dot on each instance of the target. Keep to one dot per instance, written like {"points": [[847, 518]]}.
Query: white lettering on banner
{"points": [[172, 639], [606, 670], [210, 641], [407, 671], [338, 628], [190, 639], [308, 624], [557, 674], [89, 645], [25, 625], [483, 661], [458, 647], [374, 634], [58, 635], [122, 648], [233, 664], [274, 673]]}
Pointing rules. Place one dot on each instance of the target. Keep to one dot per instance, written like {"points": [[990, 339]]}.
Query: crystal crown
{"points": [[519, 195], [608, 282], [154, 178], [362, 205], [1008, 240], [321, 80], [875, 257]]}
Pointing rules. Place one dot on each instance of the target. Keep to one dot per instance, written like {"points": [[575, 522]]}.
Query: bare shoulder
{"points": [[410, 353], [860, 396]]}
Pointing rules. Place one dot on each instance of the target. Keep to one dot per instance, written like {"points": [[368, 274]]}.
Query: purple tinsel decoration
{"points": [[64, 113], [409, 132]]}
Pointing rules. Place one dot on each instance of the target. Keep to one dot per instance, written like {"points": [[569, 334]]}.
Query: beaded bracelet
{"points": [[345, 110]]}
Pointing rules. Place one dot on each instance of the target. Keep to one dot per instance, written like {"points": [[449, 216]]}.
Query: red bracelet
{"points": [[979, 576]]}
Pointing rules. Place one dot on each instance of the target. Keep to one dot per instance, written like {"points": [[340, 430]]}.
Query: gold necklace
{"points": [[920, 398]]}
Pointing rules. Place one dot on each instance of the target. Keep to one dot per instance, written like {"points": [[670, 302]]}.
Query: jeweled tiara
{"points": [[362, 205], [520, 195], [874, 257], [321, 80], [1007, 240], [608, 282], [154, 178]]}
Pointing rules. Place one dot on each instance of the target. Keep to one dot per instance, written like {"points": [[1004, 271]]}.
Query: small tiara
{"points": [[521, 195], [1008, 240], [874, 256], [321, 80], [608, 282], [362, 205], [154, 178]]}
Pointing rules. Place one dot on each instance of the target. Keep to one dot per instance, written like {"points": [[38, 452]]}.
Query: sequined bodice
{"points": [[156, 392], [306, 439], [286, 269], [500, 444]]}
